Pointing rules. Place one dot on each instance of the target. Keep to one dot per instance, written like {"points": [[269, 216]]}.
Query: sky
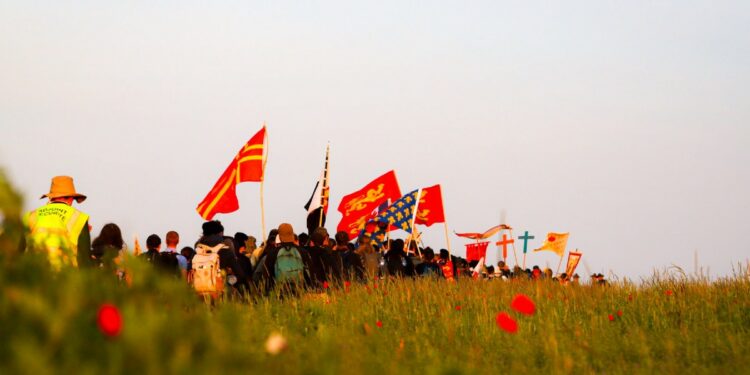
{"points": [[626, 124]]}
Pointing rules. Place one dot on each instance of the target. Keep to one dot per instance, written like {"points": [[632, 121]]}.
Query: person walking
{"points": [[59, 229]]}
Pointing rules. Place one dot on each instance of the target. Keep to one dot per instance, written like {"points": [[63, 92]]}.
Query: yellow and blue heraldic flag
{"points": [[399, 215]]}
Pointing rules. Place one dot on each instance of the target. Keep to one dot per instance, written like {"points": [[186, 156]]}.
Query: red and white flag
{"points": [[247, 166]]}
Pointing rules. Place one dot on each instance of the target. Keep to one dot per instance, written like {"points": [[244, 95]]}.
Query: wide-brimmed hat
{"points": [[62, 187], [286, 233]]}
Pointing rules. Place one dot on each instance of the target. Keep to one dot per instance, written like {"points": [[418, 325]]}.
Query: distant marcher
{"points": [[213, 235], [188, 252], [153, 245], [326, 265], [428, 267], [240, 250], [106, 248], [371, 258], [354, 270], [398, 263], [59, 229], [284, 266], [257, 257], [172, 240]]}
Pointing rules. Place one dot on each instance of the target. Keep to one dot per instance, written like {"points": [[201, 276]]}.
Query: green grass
{"points": [[48, 325]]}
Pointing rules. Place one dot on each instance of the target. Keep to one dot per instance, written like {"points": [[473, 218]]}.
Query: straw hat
{"points": [[62, 187]]}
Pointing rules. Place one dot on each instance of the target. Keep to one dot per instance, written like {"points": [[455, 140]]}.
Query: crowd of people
{"points": [[314, 261]]}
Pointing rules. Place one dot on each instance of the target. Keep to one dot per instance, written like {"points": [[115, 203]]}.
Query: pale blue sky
{"points": [[625, 123]]}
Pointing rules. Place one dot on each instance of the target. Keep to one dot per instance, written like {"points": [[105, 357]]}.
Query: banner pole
{"points": [[325, 186], [414, 220], [262, 181], [447, 239], [515, 255], [263, 215], [557, 272]]}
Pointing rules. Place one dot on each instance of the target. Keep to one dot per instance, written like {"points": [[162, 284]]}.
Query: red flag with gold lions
{"points": [[247, 166], [430, 209], [356, 207]]}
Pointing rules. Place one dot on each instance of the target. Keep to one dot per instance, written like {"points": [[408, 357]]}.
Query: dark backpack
{"points": [[167, 261]]}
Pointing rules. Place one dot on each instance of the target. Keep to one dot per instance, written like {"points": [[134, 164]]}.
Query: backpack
{"points": [[289, 266], [167, 261], [205, 272]]}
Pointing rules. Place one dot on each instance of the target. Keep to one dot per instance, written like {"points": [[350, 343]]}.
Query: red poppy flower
{"points": [[379, 324], [458, 308], [109, 320], [506, 323], [347, 284], [325, 284], [611, 318], [619, 312], [668, 293], [523, 305], [630, 298]]}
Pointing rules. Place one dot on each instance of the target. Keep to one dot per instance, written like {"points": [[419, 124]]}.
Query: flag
{"points": [[447, 269], [556, 243], [431, 206], [573, 259], [476, 251], [400, 214], [356, 206], [477, 271], [487, 234], [247, 166], [317, 206]]}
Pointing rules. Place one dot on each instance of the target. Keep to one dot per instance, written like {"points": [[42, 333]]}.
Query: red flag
{"points": [[476, 251], [430, 209], [356, 207], [247, 166]]}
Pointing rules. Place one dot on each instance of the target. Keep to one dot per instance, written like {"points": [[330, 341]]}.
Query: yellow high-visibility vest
{"points": [[55, 228]]}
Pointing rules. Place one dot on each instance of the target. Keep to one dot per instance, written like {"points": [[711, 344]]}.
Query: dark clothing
{"points": [[167, 262], [429, 269], [245, 265], [399, 264], [104, 256], [84, 247], [354, 270], [326, 266], [150, 256]]}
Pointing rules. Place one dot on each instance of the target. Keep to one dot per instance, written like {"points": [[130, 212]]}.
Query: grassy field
{"points": [[49, 324]]}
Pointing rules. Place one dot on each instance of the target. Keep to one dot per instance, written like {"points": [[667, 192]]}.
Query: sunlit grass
{"points": [[669, 323]]}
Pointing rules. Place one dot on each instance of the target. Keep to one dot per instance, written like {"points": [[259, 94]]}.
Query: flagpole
{"points": [[414, 219], [515, 255], [447, 238], [263, 179], [323, 189], [557, 272]]}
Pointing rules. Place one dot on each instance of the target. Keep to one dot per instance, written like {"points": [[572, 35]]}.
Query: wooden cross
{"points": [[526, 239], [504, 243]]}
